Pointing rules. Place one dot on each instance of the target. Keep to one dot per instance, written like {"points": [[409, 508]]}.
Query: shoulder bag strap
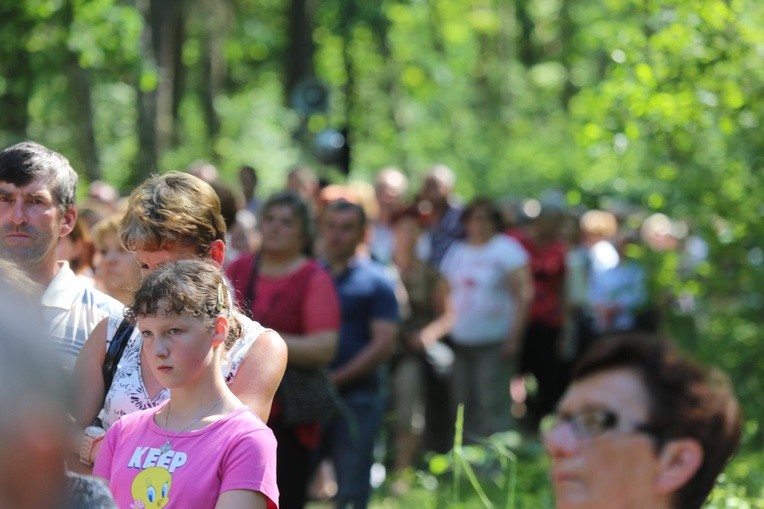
{"points": [[114, 353]]}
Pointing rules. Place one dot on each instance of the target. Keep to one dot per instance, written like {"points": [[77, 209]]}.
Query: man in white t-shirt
{"points": [[37, 191]]}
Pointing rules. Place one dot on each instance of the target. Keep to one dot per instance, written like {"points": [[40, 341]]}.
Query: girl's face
{"points": [[281, 230], [179, 348], [117, 268]]}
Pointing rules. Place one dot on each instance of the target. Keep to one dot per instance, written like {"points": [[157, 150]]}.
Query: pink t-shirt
{"points": [[237, 452]]}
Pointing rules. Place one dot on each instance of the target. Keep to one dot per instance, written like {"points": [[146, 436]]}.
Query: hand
{"points": [[421, 339]]}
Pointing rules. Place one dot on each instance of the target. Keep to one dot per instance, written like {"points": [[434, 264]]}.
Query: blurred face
{"points": [[342, 232], [281, 230], [480, 226], [599, 458], [406, 233], [31, 223], [243, 239], [434, 189], [178, 347], [117, 268], [150, 260], [388, 193]]}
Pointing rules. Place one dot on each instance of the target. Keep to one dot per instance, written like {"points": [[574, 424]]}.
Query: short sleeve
{"points": [[385, 306], [322, 304], [513, 255], [103, 462], [251, 465]]}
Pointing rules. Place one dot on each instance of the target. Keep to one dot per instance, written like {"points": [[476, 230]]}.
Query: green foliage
{"points": [[507, 471]]}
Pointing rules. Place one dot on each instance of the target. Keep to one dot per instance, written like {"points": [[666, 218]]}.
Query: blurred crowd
{"points": [[406, 301]]}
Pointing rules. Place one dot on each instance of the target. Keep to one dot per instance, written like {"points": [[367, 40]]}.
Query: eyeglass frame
{"points": [[607, 422]]}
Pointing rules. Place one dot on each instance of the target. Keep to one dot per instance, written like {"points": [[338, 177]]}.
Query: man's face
{"points": [[342, 232], [615, 467], [435, 190], [31, 222]]}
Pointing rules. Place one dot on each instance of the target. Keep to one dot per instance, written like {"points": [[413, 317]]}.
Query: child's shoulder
{"points": [[246, 418], [243, 422]]}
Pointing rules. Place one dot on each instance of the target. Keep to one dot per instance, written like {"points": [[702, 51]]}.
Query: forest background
{"points": [[656, 103]]}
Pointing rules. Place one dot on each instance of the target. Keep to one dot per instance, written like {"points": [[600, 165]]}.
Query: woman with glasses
{"points": [[640, 426]]}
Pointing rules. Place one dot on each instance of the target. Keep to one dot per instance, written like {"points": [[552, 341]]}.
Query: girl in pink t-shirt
{"points": [[203, 448]]}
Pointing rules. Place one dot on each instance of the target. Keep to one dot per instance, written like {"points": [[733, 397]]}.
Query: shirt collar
{"points": [[352, 263], [61, 292]]}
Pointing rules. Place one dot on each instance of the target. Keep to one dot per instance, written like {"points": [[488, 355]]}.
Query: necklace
{"points": [[166, 447]]}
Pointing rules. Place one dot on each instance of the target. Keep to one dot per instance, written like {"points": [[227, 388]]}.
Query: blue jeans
{"points": [[349, 442]]}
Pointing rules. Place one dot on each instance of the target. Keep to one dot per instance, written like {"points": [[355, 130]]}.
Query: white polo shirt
{"points": [[71, 310]]}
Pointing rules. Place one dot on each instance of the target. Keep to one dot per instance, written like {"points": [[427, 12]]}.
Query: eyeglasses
{"points": [[590, 423]]}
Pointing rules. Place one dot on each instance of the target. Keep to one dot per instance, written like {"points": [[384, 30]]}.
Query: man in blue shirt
{"points": [[367, 337]]}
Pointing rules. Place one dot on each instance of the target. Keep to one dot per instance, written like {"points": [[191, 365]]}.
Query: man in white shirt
{"points": [[37, 191]]}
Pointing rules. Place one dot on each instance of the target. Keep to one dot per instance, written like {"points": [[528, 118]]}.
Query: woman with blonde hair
{"points": [[171, 217], [116, 271]]}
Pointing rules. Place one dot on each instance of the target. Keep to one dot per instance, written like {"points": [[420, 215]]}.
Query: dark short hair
{"points": [[687, 400], [481, 202], [343, 205], [23, 162]]}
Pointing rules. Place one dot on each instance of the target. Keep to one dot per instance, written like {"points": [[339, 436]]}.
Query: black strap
{"points": [[250, 291], [114, 353], [111, 361]]}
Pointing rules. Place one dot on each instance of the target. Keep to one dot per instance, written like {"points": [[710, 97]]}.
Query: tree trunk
{"points": [[81, 104], [16, 69], [179, 76], [148, 151], [299, 60], [82, 118], [165, 19], [215, 17]]}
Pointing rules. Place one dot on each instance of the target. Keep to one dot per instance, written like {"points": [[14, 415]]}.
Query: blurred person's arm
{"points": [[321, 316], [383, 328], [520, 284], [370, 357], [311, 350], [443, 322], [89, 393]]}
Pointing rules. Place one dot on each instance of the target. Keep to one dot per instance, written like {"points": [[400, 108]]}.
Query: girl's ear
{"points": [[220, 330]]}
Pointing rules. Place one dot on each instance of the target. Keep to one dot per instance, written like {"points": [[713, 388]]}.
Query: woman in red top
{"points": [[286, 290]]}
